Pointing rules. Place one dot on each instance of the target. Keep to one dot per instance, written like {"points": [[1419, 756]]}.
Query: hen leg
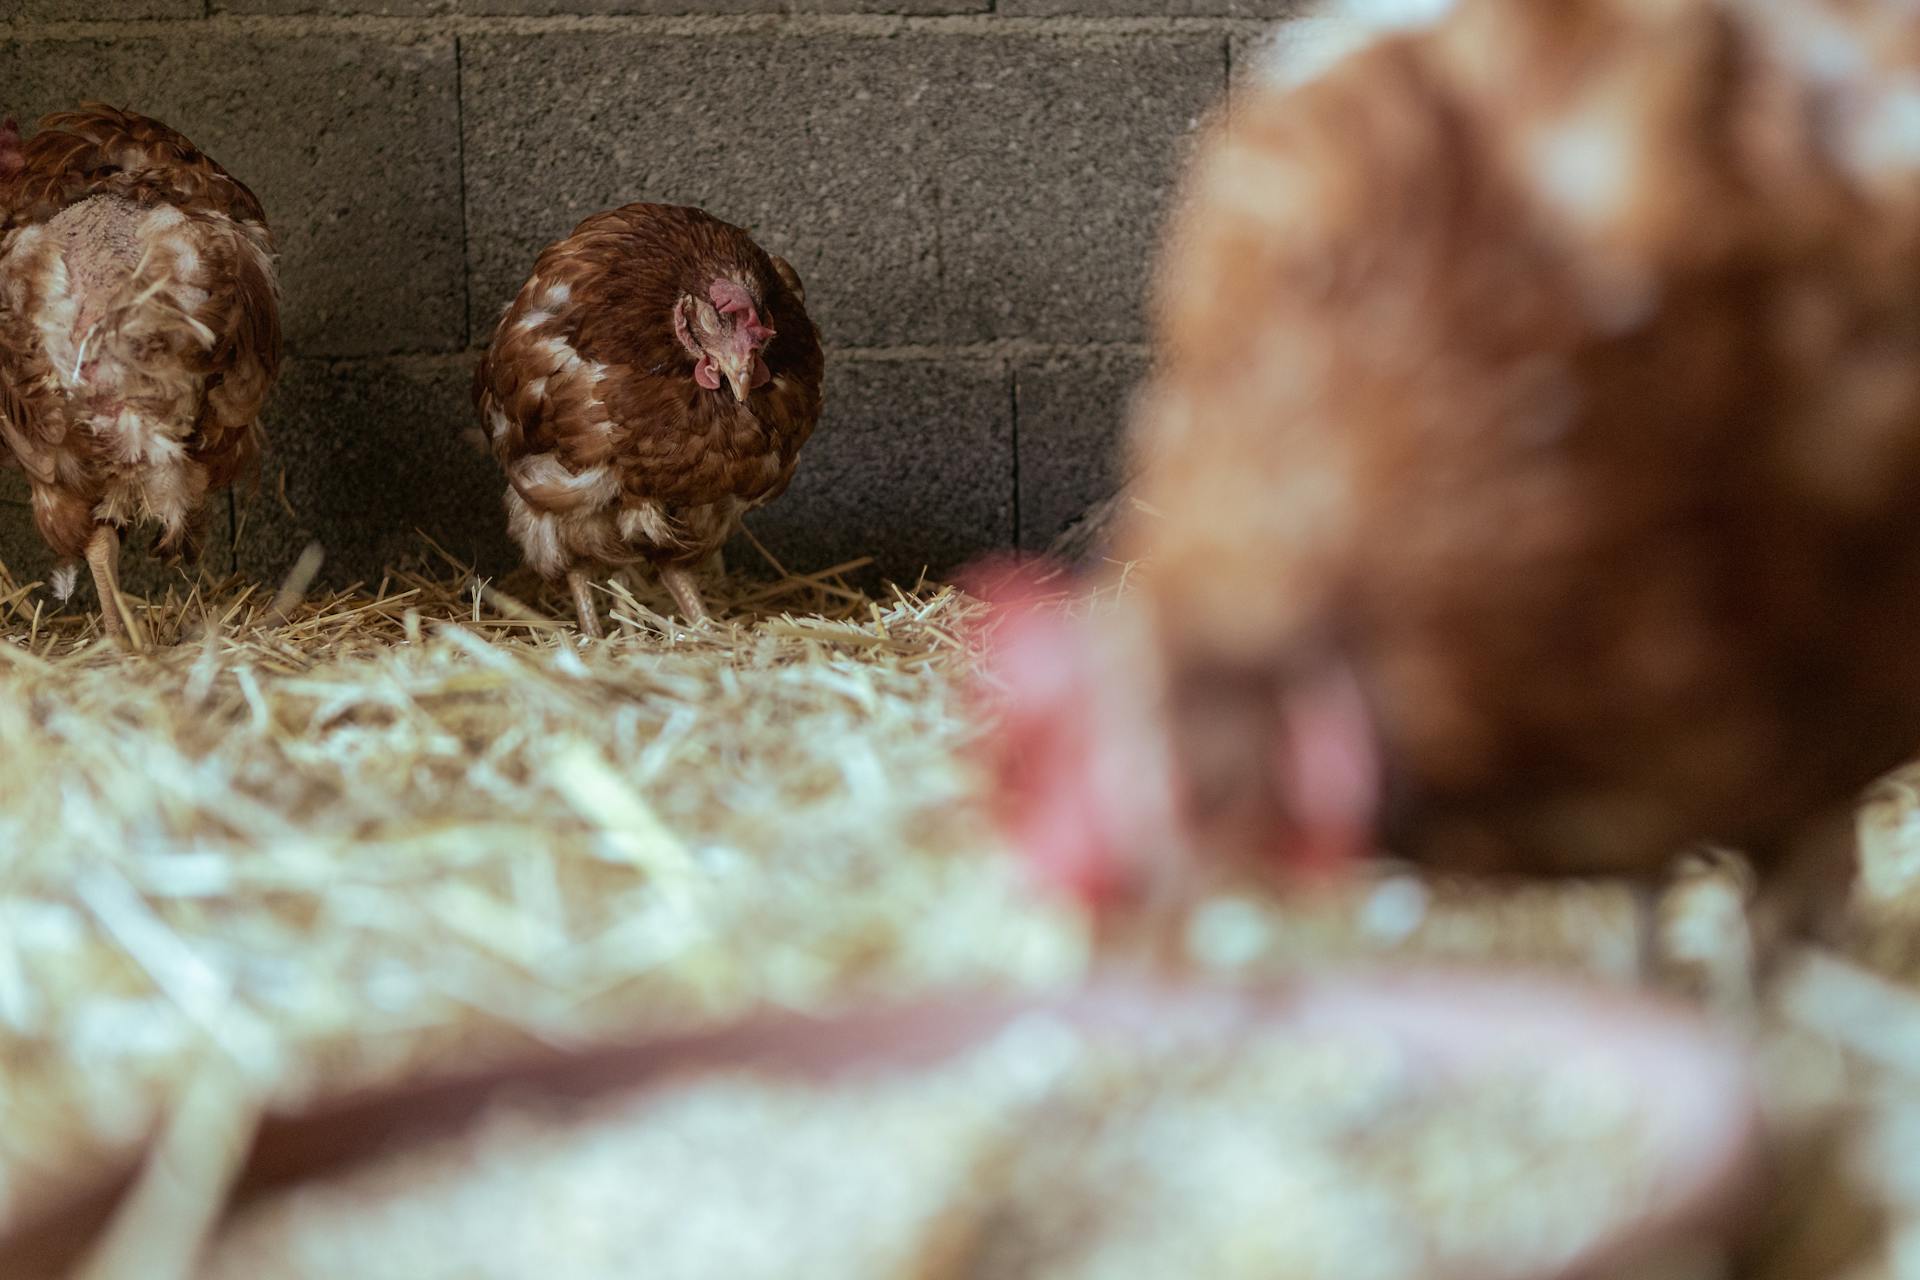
{"points": [[103, 558], [583, 604], [685, 592]]}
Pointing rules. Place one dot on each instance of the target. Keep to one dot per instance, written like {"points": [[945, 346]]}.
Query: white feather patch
{"points": [[538, 535], [1887, 138], [649, 521], [594, 487]]}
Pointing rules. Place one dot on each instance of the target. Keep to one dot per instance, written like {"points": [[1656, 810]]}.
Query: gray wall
{"points": [[971, 193]]}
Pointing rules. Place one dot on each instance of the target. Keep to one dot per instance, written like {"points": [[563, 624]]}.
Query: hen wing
{"points": [[101, 150], [19, 434], [239, 323], [789, 277], [539, 399]]}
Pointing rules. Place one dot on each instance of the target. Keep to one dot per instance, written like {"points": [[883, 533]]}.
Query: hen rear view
{"points": [[139, 334]]}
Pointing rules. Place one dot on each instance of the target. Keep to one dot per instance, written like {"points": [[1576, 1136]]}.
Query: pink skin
{"points": [[1083, 786], [724, 335]]}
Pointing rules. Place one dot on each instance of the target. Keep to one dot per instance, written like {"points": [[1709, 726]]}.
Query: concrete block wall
{"points": [[970, 188]]}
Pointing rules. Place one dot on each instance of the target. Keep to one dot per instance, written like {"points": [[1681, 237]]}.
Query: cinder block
{"points": [[351, 144], [1255, 55], [823, 146], [912, 464], [892, 6], [1148, 8], [1059, 156], [928, 187], [373, 452], [1072, 413], [542, 8], [376, 8], [620, 6], [97, 10], [21, 550]]}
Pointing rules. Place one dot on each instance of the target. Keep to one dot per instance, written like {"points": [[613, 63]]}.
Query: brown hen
{"points": [[139, 334], [653, 380], [1531, 471]]}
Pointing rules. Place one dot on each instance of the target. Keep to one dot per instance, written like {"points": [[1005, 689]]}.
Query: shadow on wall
{"points": [[368, 454], [362, 493]]}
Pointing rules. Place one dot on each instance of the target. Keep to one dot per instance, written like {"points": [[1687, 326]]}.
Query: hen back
{"points": [[614, 455], [1555, 369], [139, 325]]}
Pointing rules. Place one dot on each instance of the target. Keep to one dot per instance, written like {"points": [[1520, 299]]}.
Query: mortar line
{"points": [[460, 160], [792, 21], [940, 246]]}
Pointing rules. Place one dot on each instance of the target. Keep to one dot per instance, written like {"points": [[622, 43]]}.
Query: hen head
{"points": [[725, 336], [1107, 776]]}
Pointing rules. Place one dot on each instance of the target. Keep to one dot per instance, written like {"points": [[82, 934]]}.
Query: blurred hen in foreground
{"points": [[139, 334], [653, 380], [1530, 476]]}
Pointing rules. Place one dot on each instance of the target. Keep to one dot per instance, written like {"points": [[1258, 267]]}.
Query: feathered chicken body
{"points": [[139, 333], [653, 380], [1535, 436]]}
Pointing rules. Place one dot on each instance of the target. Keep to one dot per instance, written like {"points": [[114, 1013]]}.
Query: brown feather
{"points": [[590, 400], [139, 326], [1559, 369], [97, 149]]}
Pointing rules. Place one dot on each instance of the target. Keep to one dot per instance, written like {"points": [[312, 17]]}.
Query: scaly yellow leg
{"points": [[583, 604], [103, 558], [686, 593]]}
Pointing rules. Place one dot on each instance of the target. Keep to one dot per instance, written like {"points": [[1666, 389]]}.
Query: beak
{"points": [[739, 375]]}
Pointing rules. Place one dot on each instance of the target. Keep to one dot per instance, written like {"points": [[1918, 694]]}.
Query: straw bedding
{"points": [[339, 838], [400, 819]]}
